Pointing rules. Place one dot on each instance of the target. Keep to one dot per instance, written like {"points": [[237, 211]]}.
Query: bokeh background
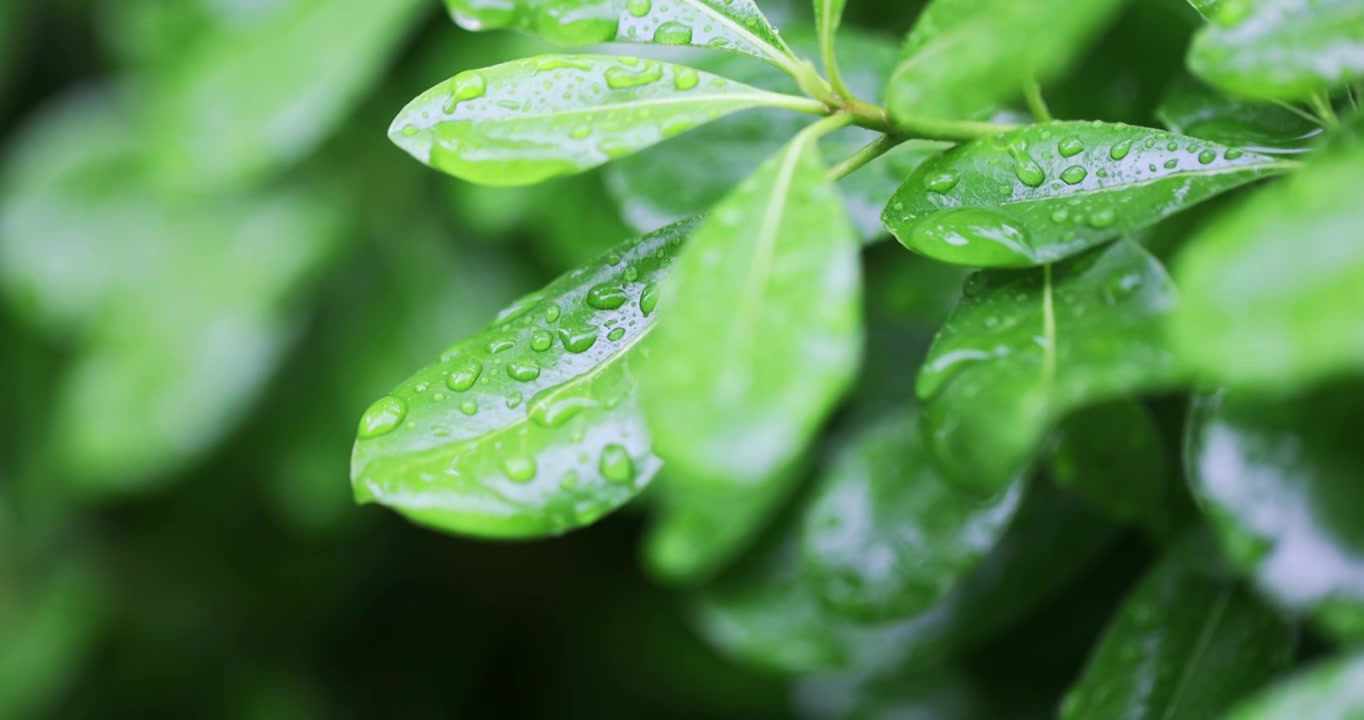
{"points": [[211, 261]]}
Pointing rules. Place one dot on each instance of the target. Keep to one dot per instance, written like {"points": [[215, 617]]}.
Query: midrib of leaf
{"points": [[1200, 649], [1048, 335], [1280, 165], [780, 55], [777, 100]]}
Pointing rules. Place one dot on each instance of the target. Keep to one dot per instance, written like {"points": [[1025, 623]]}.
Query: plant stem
{"points": [[1037, 105], [830, 56], [1321, 105], [867, 153], [876, 118], [796, 102]]}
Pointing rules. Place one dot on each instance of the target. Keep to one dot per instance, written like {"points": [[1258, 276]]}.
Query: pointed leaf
{"points": [[1281, 49], [1185, 645], [828, 16], [1332, 690], [530, 427], [1194, 109], [1280, 481], [1274, 288], [886, 536], [530, 120], [967, 56], [733, 25], [1046, 192], [1024, 349]]}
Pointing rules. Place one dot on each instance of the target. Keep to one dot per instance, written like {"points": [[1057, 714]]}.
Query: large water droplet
{"points": [[382, 417], [1103, 219], [616, 334], [975, 284], [1233, 154], [464, 375], [541, 340], [620, 77], [1074, 175], [672, 33], [552, 314], [639, 8], [553, 407], [1207, 156], [648, 300], [616, 465], [942, 182], [523, 371], [972, 236], [469, 407], [519, 469], [465, 86], [1028, 171], [606, 297], [685, 78], [1120, 150], [578, 339], [1070, 147]]}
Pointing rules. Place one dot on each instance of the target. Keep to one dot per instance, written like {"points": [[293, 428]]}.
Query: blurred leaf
{"points": [[967, 56], [1192, 108], [1047, 192], [1330, 690], [47, 630], [734, 25], [688, 175], [885, 536], [1111, 454], [933, 695], [529, 427], [1185, 645], [1207, 7], [1024, 349], [1280, 482], [250, 97], [1263, 312], [1281, 49]]}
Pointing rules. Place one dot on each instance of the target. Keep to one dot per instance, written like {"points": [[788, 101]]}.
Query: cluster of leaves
{"points": [[830, 521]]}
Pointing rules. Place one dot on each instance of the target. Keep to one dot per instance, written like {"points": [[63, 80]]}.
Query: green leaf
{"points": [[1111, 454], [47, 631], [530, 427], [1280, 481], [526, 121], [1192, 108], [1331, 690], [885, 536], [1207, 7], [1046, 192], [1264, 312], [1185, 645], [1281, 49], [967, 56], [217, 124], [733, 25], [688, 175], [1024, 349]]}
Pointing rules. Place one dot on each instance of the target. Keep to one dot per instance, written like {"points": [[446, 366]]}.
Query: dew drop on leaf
{"points": [[1070, 147], [1120, 150], [616, 465], [606, 297], [943, 182], [648, 300], [523, 371], [468, 407], [1074, 175], [464, 375], [685, 78], [639, 8], [672, 33], [382, 417], [578, 339], [519, 469], [541, 340]]}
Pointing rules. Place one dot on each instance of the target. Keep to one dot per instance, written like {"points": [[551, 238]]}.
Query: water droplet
{"points": [[1074, 175], [1120, 150], [1171, 164], [568, 24], [523, 371], [502, 344], [1028, 171], [422, 387], [1070, 147], [942, 182], [975, 284], [552, 313], [1173, 146], [620, 77], [582, 132], [616, 334], [685, 78], [464, 375], [570, 480], [648, 300], [631, 274], [606, 297], [409, 130], [468, 407], [672, 33], [578, 339], [438, 396], [465, 86], [974, 236], [382, 417], [519, 469], [1103, 219], [639, 8], [616, 465], [1060, 216], [541, 340], [1120, 288], [1207, 156], [513, 400], [552, 407], [1233, 154]]}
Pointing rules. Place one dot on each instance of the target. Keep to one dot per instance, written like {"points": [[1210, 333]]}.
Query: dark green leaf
{"points": [[1023, 349], [886, 537], [1274, 289], [967, 56], [1332, 690], [1206, 7], [917, 695], [1192, 108], [46, 634], [530, 427], [1280, 481], [1186, 645], [1111, 454], [734, 25], [1281, 49], [1046, 192], [527, 121]]}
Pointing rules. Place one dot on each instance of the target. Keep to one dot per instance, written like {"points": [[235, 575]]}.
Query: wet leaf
{"points": [[1022, 350], [1111, 454], [1194, 109], [967, 56], [1206, 7], [1281, 49], [1273, 313], [530, 427], [1280, 482], [1046, 192], [526, 121], [733, 25], [1330, 690], [885, 536], [1185, 645]]}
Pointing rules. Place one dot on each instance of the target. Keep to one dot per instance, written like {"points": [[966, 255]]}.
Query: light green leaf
{"points": [[1192, 108], [1111, 454], [218, 123], [828, 16], [733, 25], [1280, 481], [1331, 690], [1185, 645], [1207, 7], [1281, 49], [1024, 349], [1046, 192], [527, 121], [530, 427], [1274, 288], [967, 56], [885, 536], [47, 631]]}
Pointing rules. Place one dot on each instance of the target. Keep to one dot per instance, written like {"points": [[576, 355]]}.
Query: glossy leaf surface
{"points": [[1274, 288], [1046, 192], [527, 121], [1330, 690], [529, 427], [1194, 109], [1111, 454], [734, 25], [966, 56], [1280, 481], [1206, 7], [1185, 645], [1281, 49], [885, 535], [1023, 349]]}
